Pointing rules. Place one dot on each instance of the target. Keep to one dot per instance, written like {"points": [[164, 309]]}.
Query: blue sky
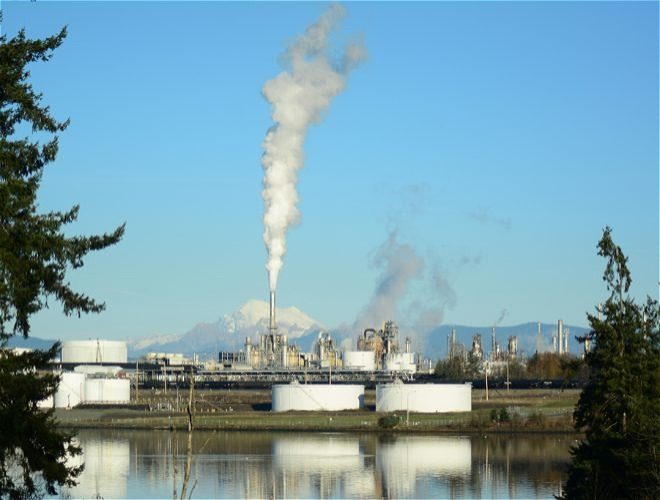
{"points": [[497, 139]]}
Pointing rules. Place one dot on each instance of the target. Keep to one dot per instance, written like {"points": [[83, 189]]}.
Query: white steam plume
{"points": [[298, 97], [399, 264]]}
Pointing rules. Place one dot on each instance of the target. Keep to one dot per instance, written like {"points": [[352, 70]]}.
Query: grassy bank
{"points": [[513, 412]]}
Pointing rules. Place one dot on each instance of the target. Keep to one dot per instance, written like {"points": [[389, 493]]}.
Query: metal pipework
{"points": [[272, 311]]}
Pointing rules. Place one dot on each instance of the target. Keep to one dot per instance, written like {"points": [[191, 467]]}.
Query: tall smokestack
{"points": [[300, 96], [560, 333], [271, 324], [493, 343]]}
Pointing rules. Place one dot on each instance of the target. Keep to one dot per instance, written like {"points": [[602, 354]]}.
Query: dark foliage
{"points": [[619, 409], [34, 454], [35, 255], [458, 368]]}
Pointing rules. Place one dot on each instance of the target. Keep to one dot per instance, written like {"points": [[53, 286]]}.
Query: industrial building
{"points": [[96, 377]]}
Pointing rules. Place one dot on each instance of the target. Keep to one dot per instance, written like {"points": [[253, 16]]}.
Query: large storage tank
{"points": [[401, 362], [107, 390], [71, 391], [319, 397], [424, 398], [360, 360], [94, 351], [46, 403]]}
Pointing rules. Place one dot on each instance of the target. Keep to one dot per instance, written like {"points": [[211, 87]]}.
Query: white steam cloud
{"points": [[399, 264], [298, 97], [402, 270]]}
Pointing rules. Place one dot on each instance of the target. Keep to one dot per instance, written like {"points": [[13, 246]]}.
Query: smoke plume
{"points": [[503, 314], [399, 264], [298, 97]]}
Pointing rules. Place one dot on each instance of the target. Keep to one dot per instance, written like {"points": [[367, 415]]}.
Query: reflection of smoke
{"points": [[298, 97], [400, 264]]}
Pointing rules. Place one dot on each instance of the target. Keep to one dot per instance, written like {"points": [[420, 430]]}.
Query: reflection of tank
{"points": [[317, 454], [106, 468], [423, 398], [321, 397], [402, 461], [320, 466]]}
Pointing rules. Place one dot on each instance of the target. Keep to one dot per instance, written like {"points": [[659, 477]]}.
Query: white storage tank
{"points": [[71, 391], [423, 398], [46, 403], [401, 362], [317, 397], [107, 390], [94, 351], [360, 360]]}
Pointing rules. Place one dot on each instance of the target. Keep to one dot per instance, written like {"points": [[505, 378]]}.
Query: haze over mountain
{"points": [[229, 332]]}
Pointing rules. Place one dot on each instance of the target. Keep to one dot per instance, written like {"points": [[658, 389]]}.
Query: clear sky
{"points": [[498, 139]]}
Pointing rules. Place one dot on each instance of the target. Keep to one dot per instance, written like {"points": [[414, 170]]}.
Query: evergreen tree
{"points": [[35, 255], [619, 409]]}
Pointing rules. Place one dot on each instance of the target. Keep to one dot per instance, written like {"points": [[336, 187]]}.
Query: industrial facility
{"points": [[97, 376], [377, 351], [97, 372]]}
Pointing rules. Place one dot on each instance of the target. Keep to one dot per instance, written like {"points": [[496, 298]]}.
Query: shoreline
{"points": [[476, 422], [515, 412]]}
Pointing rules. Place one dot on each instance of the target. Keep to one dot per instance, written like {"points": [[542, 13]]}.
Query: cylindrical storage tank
{"points": [[424, 398], [360, 360], [314, 397], [401, 362], [71, 391], [94, 351], [46, 403], [107, 390]]}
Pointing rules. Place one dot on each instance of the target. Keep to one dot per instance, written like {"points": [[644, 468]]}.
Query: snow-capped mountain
{"points": [[230, 331]]}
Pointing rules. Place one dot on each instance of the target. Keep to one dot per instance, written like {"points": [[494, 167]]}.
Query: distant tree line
{"points": [[547, 365]]}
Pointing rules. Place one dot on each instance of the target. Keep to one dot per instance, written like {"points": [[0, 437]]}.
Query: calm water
{"points": [[140, 464]]}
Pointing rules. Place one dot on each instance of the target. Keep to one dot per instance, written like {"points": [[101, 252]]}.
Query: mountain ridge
{"points": [[229, 332]]}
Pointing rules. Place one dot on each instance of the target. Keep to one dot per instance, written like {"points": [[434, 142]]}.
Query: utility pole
{"points": [[137, 381], [486, 372]]}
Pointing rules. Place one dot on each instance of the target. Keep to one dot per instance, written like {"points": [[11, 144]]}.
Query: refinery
{"points": [[98, 372]]}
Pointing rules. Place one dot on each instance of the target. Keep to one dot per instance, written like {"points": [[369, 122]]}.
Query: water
{"points": [[141, 464]]}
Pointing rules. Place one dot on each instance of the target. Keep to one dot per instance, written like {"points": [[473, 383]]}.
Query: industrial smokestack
{"points": [[493, 344], [271, 324], [560, 333], [299, 96]]}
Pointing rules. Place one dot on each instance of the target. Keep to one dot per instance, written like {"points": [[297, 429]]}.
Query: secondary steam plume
{"points": [[298, 97], [399, 264]]}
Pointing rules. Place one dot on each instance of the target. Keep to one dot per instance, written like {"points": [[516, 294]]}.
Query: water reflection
{"points": [[317, 465]]}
